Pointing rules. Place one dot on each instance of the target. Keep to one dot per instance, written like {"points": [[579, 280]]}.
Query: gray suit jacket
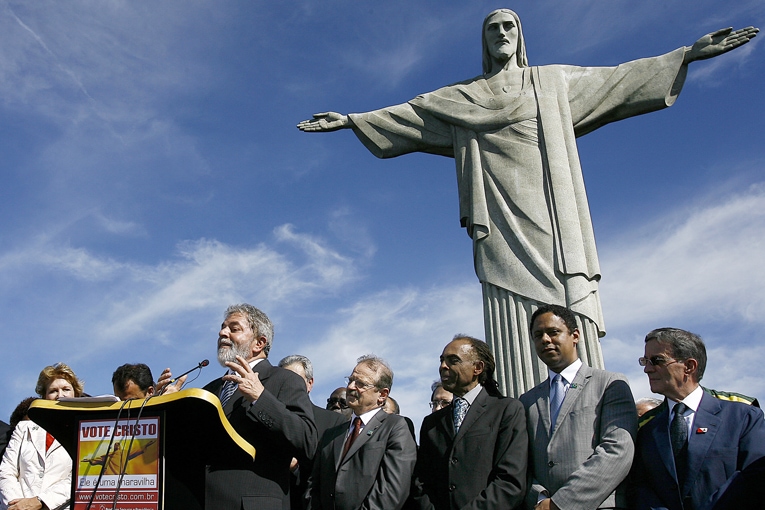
{"points": [[375, 473], [585, 462]]}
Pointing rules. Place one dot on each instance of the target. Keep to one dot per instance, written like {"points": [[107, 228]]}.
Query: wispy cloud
{"points": [[702, 259], [714, 73], [205, 273], [698, 267], [408, 327]]}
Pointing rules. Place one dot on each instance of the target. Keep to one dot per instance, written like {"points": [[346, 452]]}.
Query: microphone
{"points": [[201, 365]]}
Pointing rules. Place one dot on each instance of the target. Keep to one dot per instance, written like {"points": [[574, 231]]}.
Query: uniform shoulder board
{"points": [[732, 397], [650, 415]]}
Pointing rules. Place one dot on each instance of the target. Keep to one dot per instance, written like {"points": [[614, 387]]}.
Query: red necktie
{"points": [[352, 437], [48, 441]]}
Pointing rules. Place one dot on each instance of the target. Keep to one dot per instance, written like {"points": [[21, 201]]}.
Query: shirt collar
{"points": [[693, 400], [365, 417], [567, 373], [471, 395], [252, 365]]}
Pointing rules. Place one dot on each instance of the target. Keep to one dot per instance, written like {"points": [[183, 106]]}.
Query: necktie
{"points": [[226, 391], [678, 433], [460, 410], [557, 392], [354, 434], [48, 441]]}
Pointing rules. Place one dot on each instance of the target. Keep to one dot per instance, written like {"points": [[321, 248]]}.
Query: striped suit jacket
{"points": [[585, 461]]}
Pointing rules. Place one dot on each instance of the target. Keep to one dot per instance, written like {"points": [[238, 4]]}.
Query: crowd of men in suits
{"points": [[572, 442], [568, 443]]}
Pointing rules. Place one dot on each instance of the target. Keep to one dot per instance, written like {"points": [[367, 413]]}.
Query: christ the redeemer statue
{"points": [[512, 133]]}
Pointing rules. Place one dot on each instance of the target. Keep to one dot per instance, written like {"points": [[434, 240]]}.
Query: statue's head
{"points": [[520, 48]]}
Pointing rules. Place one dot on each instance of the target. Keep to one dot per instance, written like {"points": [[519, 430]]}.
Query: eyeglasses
{"points": [[657, 361], [335, 400], [360, 385], [438, 404]]}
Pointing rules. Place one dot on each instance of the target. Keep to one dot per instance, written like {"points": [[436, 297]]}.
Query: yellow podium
{"points": [[148, 455]]}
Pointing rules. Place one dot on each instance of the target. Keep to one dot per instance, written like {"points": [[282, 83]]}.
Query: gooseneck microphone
{"points": [[201, 365]]}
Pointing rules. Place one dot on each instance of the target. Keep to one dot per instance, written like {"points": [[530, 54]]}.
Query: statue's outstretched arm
{"points": [[325, 122], [719, 42]]}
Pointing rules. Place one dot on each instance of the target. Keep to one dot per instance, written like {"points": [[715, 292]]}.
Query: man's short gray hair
{"points": [[259, 322], [297, 359], [684, 345], [381, 367]]}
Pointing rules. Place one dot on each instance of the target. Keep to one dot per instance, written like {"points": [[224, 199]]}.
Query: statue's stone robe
{"points": [[524, 203]]}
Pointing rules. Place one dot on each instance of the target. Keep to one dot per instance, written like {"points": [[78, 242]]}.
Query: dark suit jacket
{"points": [[584, 463], [726, 437], [376, 473], [325, 420], [5, 436], [483, 466], [280, 425]]}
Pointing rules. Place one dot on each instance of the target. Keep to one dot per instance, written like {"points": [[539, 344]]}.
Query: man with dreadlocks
{"points": [[473, 452]]}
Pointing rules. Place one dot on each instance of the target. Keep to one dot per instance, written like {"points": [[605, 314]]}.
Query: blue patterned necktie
{"points": [[460, 410], [678, 429], [557, 392], [228, 389], [678, 434]]}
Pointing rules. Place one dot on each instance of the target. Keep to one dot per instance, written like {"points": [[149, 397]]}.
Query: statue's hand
{"points": [[327, 121], [719, 42]]}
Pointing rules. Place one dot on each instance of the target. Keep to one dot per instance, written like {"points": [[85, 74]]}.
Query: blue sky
{"points": [[151, 174]]}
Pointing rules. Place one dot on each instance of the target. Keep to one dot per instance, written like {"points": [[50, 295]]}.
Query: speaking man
{"points": [[693, 446], [268, 406], [473, 452], [368, 464], [581, 422]]}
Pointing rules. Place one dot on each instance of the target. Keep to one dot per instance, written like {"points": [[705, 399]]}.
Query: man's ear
{"points": [[478, 367], [150, 391], [258, 344], [691, 366], [383, 396]]}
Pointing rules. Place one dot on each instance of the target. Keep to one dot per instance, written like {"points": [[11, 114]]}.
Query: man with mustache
{"points": [[581, 421], [473, 452], [368, 464], [268, 406]]}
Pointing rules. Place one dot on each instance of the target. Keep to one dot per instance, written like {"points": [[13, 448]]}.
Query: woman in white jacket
{"points": [[36, 471]]}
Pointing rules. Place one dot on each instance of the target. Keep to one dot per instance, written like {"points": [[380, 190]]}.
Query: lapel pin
{"points": [[573, 385], [701, 430]]}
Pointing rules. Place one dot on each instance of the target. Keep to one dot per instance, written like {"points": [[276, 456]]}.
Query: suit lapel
{"points": [[367, 432], [337, 445], [476, 409], [707, 417], [37, 435], [264, 369], [658, 428], [575, 389], [445, 422], [541, 397]]}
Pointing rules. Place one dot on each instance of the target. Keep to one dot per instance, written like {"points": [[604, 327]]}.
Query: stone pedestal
{"points": [[506, 320]]}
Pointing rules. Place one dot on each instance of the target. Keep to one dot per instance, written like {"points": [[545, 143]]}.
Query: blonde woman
{"points": [[36, 470]]}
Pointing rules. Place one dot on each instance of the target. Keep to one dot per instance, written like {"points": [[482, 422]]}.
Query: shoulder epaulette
{"points": [[650, 415], [732, 397]]}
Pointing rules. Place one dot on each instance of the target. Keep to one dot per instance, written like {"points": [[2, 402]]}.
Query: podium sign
{"points": [[122, 460], [149, 456]]}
